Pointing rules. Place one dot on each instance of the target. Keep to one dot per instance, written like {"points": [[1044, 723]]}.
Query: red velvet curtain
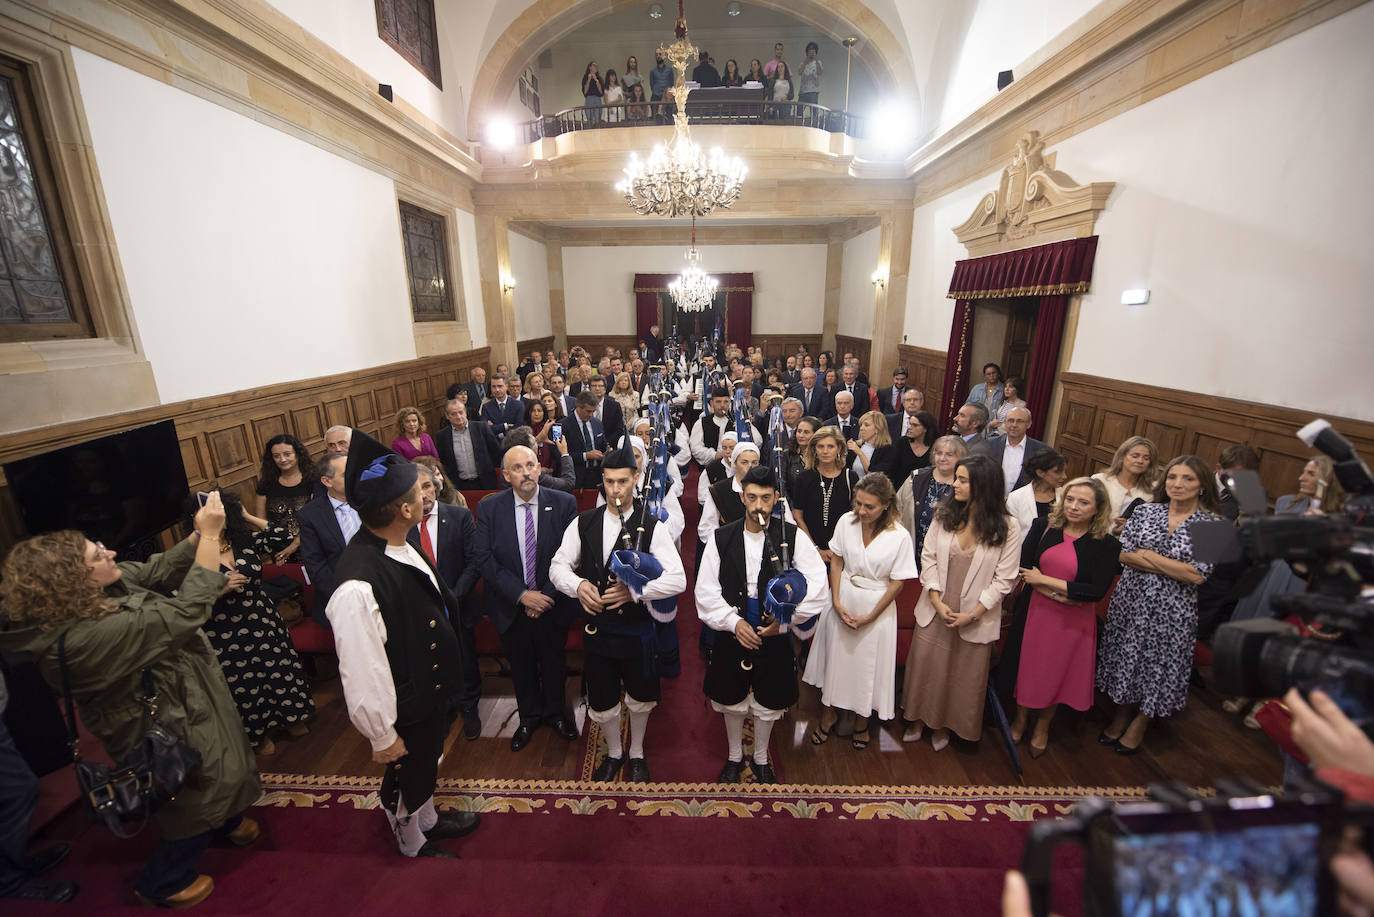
{"points": [[960, 353], [739, 303], [1044, 270], [1049, 334]]}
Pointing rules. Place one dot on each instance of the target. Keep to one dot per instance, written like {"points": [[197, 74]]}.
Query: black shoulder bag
{"points": [[148, 777]]}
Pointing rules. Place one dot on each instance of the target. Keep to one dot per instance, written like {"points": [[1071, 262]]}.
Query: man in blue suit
{"points": [[468, 450], [518, 533], [326, 525], [448, 537], [586, 440], [501, 412], [816, 401]]}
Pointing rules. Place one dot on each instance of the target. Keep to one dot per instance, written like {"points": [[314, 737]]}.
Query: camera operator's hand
{"points": [[1327, 735], [1015, 896], [210, 517], [1354, 875]]}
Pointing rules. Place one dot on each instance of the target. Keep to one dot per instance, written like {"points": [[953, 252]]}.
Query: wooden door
{"points": [[1016, 352]]}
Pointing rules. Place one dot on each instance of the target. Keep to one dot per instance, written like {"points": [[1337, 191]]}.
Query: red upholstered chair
{"points": [[906, 617], [306, 635]]}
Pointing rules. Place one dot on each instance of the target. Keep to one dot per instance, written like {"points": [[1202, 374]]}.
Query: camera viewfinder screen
{"points": [[1264, 871]]}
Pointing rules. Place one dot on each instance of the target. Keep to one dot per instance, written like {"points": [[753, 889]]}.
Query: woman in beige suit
{"points": [[968, 565]]}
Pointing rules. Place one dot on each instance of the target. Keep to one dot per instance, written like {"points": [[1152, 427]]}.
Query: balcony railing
{"points": [[699, 111]]}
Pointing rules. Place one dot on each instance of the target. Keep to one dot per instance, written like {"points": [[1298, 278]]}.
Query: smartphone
{"points": [[201, 497], [1251, 854], [555, 433]]}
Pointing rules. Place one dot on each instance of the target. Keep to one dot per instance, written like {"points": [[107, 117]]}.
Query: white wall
{"points": [[350, 28], [1238, 204], [856, 284], [250, 257], [472, 278], [529, 265], [789, 283]]}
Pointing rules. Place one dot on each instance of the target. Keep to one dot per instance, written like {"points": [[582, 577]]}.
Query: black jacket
{"points": [[1099, 560], [486, 453]]}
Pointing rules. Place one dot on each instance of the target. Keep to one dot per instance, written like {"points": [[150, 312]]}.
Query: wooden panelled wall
{"points": [[862, 348], [543, 345], [222, 437], [785, 345], [1097, 414], [925, 370]]}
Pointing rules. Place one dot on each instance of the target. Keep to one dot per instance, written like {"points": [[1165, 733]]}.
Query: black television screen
{"points": [[119, 489]]}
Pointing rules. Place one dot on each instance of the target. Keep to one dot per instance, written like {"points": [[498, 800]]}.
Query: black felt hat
{"points": [[720, 391], [374, 475], [621, 457]]}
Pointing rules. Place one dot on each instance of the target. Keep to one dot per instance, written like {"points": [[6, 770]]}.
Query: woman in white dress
{"points": [[853, 655]]}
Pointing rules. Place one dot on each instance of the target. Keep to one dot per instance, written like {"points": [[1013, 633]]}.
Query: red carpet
{"points": [[340, 861]]}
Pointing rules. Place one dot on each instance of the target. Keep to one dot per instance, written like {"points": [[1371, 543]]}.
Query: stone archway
{"points": [[546, 21]]}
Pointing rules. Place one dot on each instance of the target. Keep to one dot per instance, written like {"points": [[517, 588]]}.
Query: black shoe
{"points": [[1105, 739], [472, 725], [565, 728], [431, 849], [763, 773], [47, 890], [522, 737], [1124, 749], [637, 769], [43, 860], [453, 824], [731, 772], [607, 769]]}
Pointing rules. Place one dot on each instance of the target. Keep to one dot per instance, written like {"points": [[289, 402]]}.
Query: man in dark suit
{"points": [[447, 535], [326, 525], [845, 416], [751, 379], [816, 401], [477, 391], [558, 384], [586, 440], [468, 450], [849, 382], [913, 402], [501, 412], [1013, 449], [790, 374], [518, 533], [970, 425], [890, 397], [608, 411], [653, 346]]}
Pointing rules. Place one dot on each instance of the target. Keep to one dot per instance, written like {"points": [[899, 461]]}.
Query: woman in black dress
{"points": [[825, 491], [283, 489], [264, 673], [912, 452], [794, 456]]}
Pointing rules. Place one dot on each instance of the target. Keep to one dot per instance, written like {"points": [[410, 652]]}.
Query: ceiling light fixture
{"points": [[655, 11], [694, 290], [733, 8]]}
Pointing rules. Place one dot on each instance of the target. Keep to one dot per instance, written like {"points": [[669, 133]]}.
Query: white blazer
{"points": [[991, 575]]}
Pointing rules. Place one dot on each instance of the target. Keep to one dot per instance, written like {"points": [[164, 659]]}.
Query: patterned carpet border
{"points": [[582, 797]]}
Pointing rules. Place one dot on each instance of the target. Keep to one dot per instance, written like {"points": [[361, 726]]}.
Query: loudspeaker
{"points": [[1004, 79], [384, 90]]}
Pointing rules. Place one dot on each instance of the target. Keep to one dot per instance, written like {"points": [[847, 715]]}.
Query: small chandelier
{"points": [[680, 179], [694, 290]]}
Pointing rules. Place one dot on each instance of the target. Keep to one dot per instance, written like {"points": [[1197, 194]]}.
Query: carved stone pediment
{"points": [[1034, 203]]}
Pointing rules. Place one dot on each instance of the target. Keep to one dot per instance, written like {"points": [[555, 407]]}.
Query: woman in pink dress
{"points": [[411, 440], [1070, 560]]}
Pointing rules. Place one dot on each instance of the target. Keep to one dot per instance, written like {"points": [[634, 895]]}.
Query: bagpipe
{"points": [[739, 406], [786, 587], [777, 438]]}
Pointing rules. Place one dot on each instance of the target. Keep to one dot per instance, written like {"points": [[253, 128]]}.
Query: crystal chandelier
{"points": [[680, 179], [694, 290]]}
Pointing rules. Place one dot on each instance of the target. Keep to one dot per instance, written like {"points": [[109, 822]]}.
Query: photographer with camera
{"points": [[66, 596]]}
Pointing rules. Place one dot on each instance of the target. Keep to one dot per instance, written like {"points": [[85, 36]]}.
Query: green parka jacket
{"points": [[151, 629]]}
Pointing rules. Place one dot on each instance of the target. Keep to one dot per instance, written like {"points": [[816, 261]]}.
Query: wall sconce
{"points": [[1135, 297], [507, 285], [880, 279]]}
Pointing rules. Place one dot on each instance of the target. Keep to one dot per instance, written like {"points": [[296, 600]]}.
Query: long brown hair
{"points": [[1152, 475], [985, 511], [1207, 495], [879, 486], [47, 579]]}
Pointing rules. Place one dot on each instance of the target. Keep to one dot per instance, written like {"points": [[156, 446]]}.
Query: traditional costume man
{"points": [[755, 585], [621, 564], [398, 654]]}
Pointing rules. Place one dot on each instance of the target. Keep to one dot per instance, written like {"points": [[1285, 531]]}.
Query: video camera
{"points": [[1265, 656]]}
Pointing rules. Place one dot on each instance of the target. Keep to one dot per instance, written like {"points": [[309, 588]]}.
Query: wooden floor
{"points": [[1196, 747]]}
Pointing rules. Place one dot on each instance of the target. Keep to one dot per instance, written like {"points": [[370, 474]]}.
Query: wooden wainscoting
{"points": [[925, 370], [596, 344], [1097, 414], [784, 345], [862, 348], [222, 437], [543, 345]]}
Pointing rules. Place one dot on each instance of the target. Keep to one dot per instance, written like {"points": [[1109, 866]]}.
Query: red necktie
{"points": [[425, 544]]}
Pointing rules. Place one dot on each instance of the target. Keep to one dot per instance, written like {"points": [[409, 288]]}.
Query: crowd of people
{"points": [[613, 96], [820, 497]]}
